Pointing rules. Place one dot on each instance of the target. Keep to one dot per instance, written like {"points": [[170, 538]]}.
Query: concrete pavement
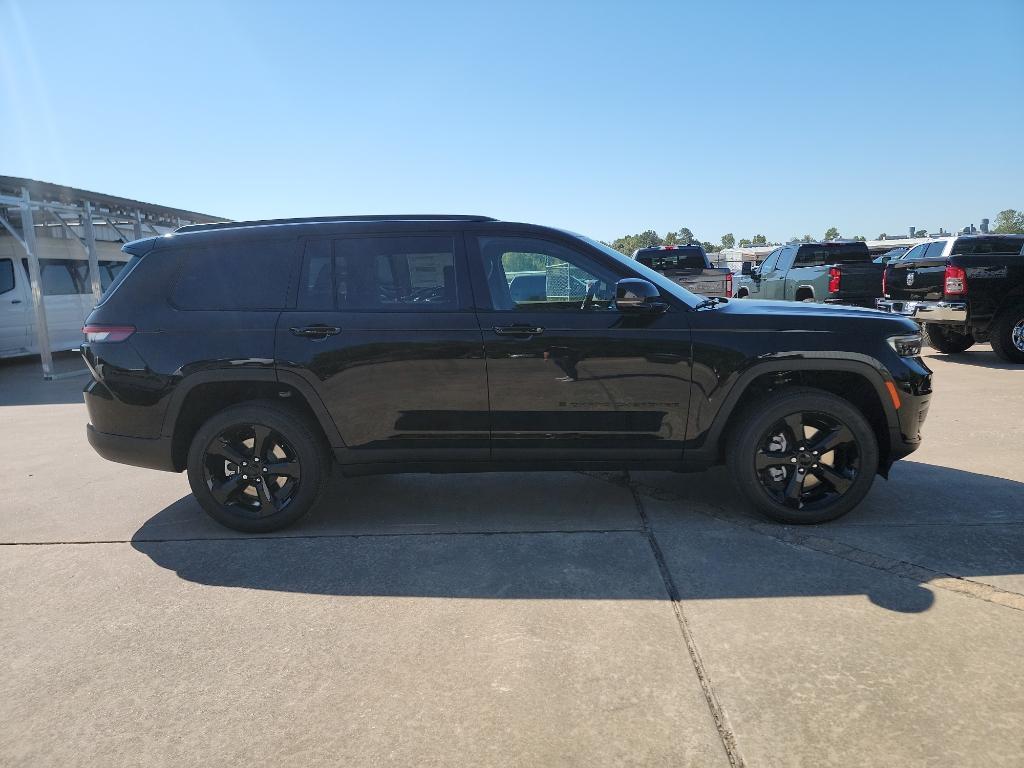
{"points": [[528, 619]]}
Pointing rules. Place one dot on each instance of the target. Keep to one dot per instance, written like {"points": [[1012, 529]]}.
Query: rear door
{"points": [[570, 376], [14, 308], [773, 281], [384, 331]]}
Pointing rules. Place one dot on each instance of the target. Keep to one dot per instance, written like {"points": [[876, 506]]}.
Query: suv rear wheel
{"points": [[256, 467], [946, 339], [1008, 334], [803, 455]]}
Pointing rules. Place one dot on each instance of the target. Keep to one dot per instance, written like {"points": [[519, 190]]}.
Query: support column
{"points": [[28, 232], [90, 248], [138, 224]]}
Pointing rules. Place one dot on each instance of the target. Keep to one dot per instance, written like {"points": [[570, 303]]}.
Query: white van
{"points": [[67, 297]]}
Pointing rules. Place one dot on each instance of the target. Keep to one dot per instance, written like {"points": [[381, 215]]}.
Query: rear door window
{"points": [[6, 275], [235, 276], [917, 252], [384, 274]]}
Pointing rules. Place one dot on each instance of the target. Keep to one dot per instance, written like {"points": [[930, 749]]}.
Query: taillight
{"points": [[835, 274], [956, 281], [728, 286], [108, 332]]}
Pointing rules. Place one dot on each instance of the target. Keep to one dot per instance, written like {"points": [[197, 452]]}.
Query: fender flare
{"points": [[867, 368], [232, 375]]}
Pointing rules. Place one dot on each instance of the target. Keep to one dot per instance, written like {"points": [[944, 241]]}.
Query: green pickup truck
{"points": [[830, 273]]}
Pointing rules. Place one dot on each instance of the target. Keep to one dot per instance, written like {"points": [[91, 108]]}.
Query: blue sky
{"points": [[607, 118]]}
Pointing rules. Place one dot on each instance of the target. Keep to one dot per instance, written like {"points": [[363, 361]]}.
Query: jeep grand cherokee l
{"points": [[252, 355]]}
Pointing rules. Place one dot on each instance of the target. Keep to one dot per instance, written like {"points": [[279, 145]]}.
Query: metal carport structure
{"points": [[28, 206]]}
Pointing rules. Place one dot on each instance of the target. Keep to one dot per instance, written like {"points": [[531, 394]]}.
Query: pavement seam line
{"points": [[725, 732], [919, 574], [316, 536]]}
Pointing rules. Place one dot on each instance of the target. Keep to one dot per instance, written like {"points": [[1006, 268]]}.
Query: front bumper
{"points": [[145, 452], [926, 311]]}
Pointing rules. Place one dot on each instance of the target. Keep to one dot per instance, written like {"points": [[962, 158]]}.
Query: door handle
{"points": [[15, 301], [518, 330], [316, 332]]}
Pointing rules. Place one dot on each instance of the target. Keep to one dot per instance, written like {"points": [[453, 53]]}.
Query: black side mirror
{"points": [[747, 268], [633, 294]]}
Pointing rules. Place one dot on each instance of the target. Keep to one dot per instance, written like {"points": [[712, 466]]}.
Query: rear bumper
{"points": [[926, 311], [138, 451]]}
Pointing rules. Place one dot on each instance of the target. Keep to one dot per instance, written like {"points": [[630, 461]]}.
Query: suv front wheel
{"points": [[803, 455], [256, 467]]}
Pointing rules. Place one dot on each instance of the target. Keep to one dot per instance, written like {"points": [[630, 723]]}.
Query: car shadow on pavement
{"points": [[22, 383], [982, 358], [926, 525]]}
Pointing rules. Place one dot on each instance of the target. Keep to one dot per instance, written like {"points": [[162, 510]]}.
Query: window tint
{"points": [[820, 254], [234, 276], [773, 258], [935, 250], [811, 256], [393, 274], [985, 245], [118, 275], [527, 274], [6, 275]]}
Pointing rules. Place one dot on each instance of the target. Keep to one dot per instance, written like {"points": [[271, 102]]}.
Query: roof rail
{"points": [[316, 219]]}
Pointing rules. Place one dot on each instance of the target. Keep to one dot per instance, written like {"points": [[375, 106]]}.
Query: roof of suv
{"points": [[330, 219]]}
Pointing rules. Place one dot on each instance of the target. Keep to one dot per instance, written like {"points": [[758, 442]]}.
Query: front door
{"points": [[14, 308], [570, 376], [383, 329]]}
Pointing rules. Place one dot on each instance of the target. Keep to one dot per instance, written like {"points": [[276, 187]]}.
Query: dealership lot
{"points": [[525, 619]]}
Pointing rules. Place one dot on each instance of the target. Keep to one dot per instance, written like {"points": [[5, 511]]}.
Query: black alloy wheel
{"points": [[257, 466], [802, 455], [807, 460], [252, 470]]}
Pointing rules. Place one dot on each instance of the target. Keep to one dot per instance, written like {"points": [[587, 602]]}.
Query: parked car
{"points": [[689, 266], [252, 355], [829, 273], [962, 290], [67, 297]]}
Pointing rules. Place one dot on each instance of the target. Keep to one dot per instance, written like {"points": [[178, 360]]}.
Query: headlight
{"points": [[908, 345]]}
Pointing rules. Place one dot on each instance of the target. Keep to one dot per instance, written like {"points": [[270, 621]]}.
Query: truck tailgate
{"points": [[706, 282], [916, 279]]}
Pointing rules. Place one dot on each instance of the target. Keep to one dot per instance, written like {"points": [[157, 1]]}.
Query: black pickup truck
{"points": [[962, 290]]}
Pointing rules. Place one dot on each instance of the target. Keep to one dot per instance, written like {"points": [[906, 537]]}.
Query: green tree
{"points": [[629, 244], [710, 247], [686, 236], [671, 238], [806, 239], [728, 240], [882, 236], [759, 240], [744, 243], [832, 233], [1010, 222], [861, 238], [921, 233]]}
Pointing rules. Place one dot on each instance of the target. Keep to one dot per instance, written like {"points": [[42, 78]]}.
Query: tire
{"points": [[945, 339], [765, 436], [1008, 334], [220, 454]]}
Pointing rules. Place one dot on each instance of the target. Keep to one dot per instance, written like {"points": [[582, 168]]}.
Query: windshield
{"points": [[667, 286]]}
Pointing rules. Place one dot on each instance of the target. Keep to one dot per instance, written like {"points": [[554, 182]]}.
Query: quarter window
{"points": [[917, 252], [527, 274], [935, 250], [235, 276]]}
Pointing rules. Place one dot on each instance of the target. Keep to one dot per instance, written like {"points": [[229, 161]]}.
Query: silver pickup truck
{"points": [[689, 266]]}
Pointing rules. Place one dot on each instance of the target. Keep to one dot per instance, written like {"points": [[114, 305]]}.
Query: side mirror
{"points": [[633, 294], [747, 268]]}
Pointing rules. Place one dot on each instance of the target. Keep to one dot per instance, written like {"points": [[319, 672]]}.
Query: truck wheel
{"points": [[257, 467], [945, 339], [1008, 334], [803, 455]]}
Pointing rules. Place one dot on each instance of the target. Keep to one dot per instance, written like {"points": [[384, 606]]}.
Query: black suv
{"points": [[253, 354]]}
